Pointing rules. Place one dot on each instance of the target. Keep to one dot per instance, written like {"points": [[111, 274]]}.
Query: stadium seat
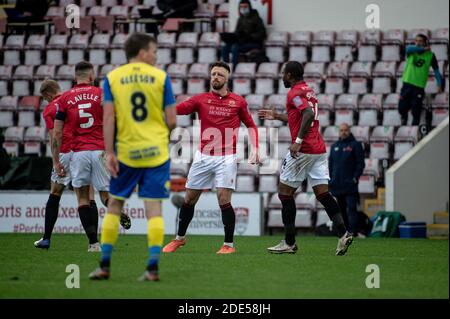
{"points": [[88, 3], [100, 41], [371, 36], [118, 56], [391, 117], [338, 69], [277, 100], [185, 45], [267, 183], [384, 69], [372, 167], [314, 70], [33, 138], [245, 183], [440, 35], [326, 101], [300, 38], [255, 101], [361, 69], [98, 11], [264, 86], [381, 138], [390, 53], [205, 10], [207, 47], [343, 53], [344, 116], [164, 56], [323, 38], [334, 86], [244, 168], [177, 70], [27, 108], [366, 184], [44, 71], [331, 134], [119, 12], [391, 101], [381, 85], [324, 117], [196, 86], [405, 139], [440, 101], [275, 46], [23, 72], [321, 53], [347, 102], [8, 106], [440, 51], [357, 86], [438, 115], [245, 70], [199, 70], [21, 87], [13, 137], [367, 53], [298, 53], [369, 107], [65, 72], [242, 86], [361, 133], [97, 56], [393, 36]]}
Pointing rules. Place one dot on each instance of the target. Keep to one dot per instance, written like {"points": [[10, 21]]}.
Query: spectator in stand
{"points": [[28, 11], [250, 33], [419, 58], [346, 165]]}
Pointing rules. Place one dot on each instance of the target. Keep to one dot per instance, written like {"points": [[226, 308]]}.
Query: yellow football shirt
{"points": [[140, 93]]}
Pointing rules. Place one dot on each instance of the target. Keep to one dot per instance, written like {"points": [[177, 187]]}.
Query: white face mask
{"points": [[244, 11]]}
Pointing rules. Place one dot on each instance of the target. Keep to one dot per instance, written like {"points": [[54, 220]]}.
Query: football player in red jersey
{"points": [[51, 91], [80, 108], [306, 159], [215, 163]]}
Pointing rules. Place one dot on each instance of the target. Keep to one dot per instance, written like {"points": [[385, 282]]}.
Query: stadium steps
{"points": [[438, 230], [374, 205], [440, 218]]}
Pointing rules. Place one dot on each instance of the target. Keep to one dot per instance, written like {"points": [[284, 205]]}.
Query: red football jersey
{"points": [[82, 108], [49, 115], [220, 119], [300, 97]]}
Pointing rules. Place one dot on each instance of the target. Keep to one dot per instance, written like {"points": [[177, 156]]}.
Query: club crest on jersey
{"points": [[232, 103], [297, 101], [242, 214]]}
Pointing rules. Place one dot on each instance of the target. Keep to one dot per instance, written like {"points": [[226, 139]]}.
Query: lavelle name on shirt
{"points": [[84, 97]]}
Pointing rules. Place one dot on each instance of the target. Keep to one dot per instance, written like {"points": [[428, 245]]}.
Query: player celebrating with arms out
{"points": [[306, 158], [220, 113]]}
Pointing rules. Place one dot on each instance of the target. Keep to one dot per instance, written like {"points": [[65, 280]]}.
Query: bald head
{"points": [[344, 131]]}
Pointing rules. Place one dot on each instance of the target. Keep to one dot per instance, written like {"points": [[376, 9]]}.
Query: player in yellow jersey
{"points": [[139, 114]]}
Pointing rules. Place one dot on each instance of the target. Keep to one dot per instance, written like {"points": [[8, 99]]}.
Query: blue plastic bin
{"points": [[413, 230]]}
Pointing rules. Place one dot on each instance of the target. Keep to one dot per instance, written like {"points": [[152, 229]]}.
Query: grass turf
{"points": [[409, 268]]}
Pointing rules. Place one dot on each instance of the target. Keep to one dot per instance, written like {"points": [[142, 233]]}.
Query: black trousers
{"points": [[411, 98], [348, 205]]}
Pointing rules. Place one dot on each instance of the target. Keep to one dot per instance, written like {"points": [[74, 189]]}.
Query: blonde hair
{"points": [[49, 86]]}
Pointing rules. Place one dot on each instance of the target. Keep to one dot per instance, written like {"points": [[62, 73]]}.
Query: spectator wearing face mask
{"points": [[250, 33]]}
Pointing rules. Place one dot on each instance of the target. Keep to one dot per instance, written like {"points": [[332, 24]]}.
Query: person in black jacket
{"points": [[250, 33], [346, 164]]}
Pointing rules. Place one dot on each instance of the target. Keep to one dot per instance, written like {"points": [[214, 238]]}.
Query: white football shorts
{"points": [[312, 166], [88, 167], [64, 159], [208, 171]]}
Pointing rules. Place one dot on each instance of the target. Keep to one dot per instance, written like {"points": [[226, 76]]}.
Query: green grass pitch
{"points": [[409, 268]]}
